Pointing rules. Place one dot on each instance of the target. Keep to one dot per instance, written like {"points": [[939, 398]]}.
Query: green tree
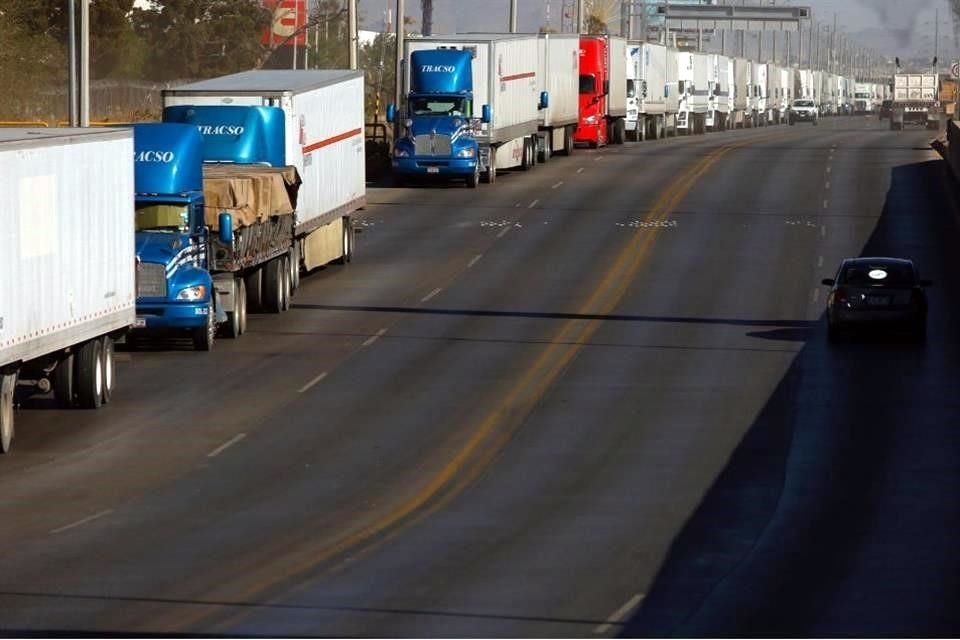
{"points": [[31, 62], [201, 38]]}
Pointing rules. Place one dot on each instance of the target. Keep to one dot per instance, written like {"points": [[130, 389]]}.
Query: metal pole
{"points": [[513, 16], [352, 32], [936, 39], [74, 89], [398, 91], [579, 16], [84, 63]]}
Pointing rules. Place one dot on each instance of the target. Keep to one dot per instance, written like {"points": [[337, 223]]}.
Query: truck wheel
{"points": [[203, 337], [473, 180], [525, 156], [63, 387], [242, 304], [109, 369], [231, 329], [254, 286], [287, 290], [90, 375], [8, 384], [490, 176], [295, 266], [543, 154], [346, 243], [568, 141], [273, 286], [619, 131]]}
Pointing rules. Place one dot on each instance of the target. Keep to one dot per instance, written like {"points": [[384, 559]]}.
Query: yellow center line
{"points": [[488, 437]]}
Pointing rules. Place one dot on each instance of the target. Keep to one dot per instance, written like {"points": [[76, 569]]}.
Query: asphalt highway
{"points": [[589, 400]]}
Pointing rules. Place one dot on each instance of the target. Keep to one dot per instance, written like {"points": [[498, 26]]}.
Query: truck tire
{"points": [[287, 288], [8, 384], [204, 337], [346, 243], [525, 164], [568, 141], [242, 305], [89, 375], [254, 286], [273, 286], [295, 266], [619, 131], [473, 180], [109, 369], [231, 329], [63, 388], [544, 153]]}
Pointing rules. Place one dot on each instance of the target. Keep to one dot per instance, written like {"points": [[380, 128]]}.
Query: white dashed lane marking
{"points": [[533, 204], [504, 232], [226, 445], [430, 296], [313, 382], [475, 260], [369, 341], [558, 185], [620, 614], [82, 521]]}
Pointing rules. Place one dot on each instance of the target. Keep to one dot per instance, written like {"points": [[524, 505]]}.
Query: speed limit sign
{"points": [[955, 69]]}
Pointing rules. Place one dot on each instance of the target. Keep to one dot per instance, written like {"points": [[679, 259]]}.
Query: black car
{"points": [[877, 292]]}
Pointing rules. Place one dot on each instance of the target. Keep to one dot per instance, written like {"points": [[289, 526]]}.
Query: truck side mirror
{"points": [[606, 87], [225, 232], [486, 114], [544, 100], [391, 112]]}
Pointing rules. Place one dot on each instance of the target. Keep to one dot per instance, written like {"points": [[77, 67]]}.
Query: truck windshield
{"points": [[803, 103], [156, 216], [588, 85], [441, 106], [863, 96]]}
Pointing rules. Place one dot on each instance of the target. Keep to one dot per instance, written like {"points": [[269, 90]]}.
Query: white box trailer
{"points": [[67, 269], [779, 91], [649, 110], [760, 73], [558, 72], [505, 68], [744, 102], [694, 90], [720, 80], [324, 140]]}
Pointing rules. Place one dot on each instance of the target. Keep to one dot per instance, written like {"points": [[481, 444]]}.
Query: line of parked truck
{"points": [[477, 104], [175, 228], [179, 228]]}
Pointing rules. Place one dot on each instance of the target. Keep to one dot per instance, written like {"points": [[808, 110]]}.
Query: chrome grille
{"points": [[151, 280], [432, 144]]}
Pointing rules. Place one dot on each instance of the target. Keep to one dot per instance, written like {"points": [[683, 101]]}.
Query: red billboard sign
{"points": [[287, 22]]}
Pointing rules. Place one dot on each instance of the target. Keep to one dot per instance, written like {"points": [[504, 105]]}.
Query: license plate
{"points": [[433, 169], [878, 301], [139, 323]]}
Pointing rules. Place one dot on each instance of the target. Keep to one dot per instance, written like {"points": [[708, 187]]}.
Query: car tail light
{"points": [[840, 296]]}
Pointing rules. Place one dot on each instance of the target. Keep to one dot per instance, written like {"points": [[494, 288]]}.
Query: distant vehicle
{"points": [[877, 292], [886, 107], [916, 100], [804, 111]]}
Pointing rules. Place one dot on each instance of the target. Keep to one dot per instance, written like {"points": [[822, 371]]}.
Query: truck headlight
{"points": [[590, 120], [469, 152], [401, 153], [193, 294]]}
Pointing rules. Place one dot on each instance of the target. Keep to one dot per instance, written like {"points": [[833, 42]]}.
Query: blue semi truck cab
{"points": [[175, 291], [441, 121], [215, 209]]}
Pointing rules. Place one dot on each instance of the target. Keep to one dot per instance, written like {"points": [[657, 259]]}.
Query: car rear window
{"points": [[878, 275]]}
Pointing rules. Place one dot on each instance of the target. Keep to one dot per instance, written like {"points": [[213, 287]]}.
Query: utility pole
{"points": [[936, 39], [513, 16], [398, 89], [84, 63], [74, 89], [352, 32], [579, 16], [426, 9]]}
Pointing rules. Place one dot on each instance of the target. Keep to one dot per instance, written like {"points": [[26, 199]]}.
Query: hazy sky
{"points": [[897, 24]]}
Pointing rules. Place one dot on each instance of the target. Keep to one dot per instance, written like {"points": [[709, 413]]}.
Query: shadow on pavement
{"points": [[839, 513]]}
